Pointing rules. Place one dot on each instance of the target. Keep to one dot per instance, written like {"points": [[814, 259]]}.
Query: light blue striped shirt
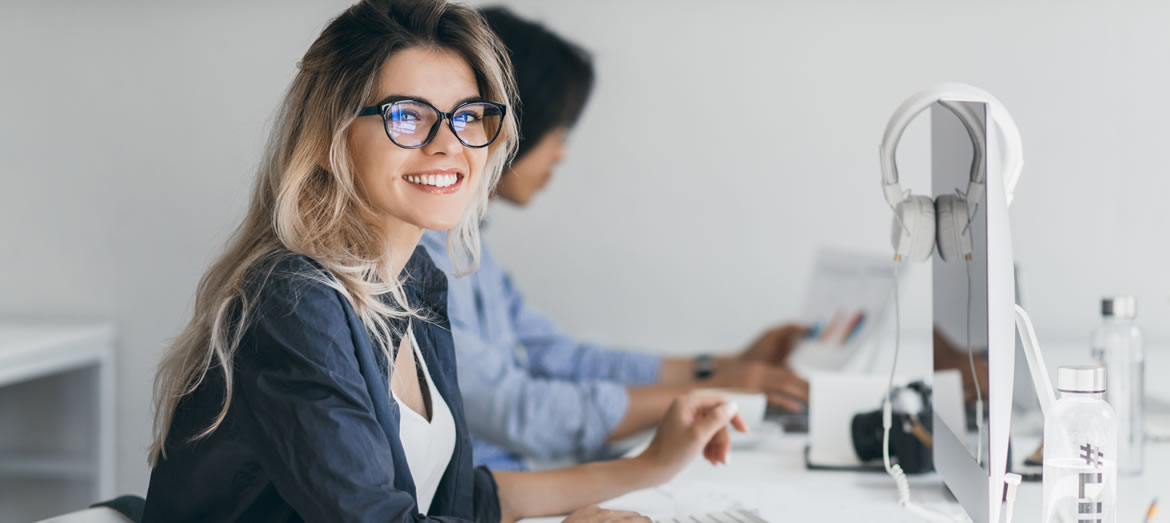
{"points": [[530, 392]]}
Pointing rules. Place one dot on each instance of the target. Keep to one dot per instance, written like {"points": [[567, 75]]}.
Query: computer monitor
{"points": [[973, 310]]}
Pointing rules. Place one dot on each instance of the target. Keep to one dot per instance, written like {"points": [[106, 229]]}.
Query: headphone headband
{"points": [[948, 94]]}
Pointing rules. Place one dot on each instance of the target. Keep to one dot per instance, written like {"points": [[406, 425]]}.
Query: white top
{"points": [[428, 444]]}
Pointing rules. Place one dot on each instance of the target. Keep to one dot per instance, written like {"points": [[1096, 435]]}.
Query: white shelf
{"points": [[30, 350]]}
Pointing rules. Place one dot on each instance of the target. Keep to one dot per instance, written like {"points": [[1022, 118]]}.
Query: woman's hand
{"points": [[595, 514], [695, 422]]}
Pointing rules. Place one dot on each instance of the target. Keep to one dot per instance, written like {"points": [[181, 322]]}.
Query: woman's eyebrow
{"points": [[469, 99], [400, 97]]}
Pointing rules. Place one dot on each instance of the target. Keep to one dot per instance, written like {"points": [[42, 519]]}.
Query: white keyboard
{"points": [[731, 516]]}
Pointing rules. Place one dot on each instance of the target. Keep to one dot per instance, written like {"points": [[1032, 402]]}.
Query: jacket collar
{"points": [[425, 286], [425, 283]]}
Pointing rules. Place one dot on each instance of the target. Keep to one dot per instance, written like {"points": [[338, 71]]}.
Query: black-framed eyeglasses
{"points": [[411, 124]]}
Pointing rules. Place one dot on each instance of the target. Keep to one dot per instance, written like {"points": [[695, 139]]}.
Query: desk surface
{"points": [[773, 480]]}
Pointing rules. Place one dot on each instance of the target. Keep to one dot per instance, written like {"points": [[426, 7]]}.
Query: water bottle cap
{"points": [[1124, 307], [1081, 378]]}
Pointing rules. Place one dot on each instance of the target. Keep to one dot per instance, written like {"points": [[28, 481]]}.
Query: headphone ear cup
{"points": [[954, 237], [913, 236]]}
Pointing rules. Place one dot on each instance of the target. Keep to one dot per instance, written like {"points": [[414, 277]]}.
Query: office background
{"points": [[725, 142]]}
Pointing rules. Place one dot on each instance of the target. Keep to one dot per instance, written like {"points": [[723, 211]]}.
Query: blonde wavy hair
{"points": [[301, 206]]}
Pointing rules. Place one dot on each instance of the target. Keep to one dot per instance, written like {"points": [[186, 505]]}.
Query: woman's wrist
{"points": [[650, 468]]}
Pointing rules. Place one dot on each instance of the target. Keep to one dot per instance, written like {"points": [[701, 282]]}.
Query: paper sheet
{"points": [[845, 302]]}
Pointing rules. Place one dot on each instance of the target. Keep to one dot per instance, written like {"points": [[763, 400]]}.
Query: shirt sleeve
{"points": [[539, 417], [550, 353], [306, 408]]}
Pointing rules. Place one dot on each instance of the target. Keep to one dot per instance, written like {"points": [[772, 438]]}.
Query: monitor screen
{"points": [[960, 278], [960, 295]]}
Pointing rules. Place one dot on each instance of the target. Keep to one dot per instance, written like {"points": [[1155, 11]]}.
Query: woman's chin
{"points": [[434, 217], [438, 225]]}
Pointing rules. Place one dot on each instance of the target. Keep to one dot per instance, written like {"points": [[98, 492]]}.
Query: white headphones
{"points": [[919, 221]]}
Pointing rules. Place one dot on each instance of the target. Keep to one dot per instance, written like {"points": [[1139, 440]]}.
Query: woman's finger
{"points": [[701, 401], [713, 419], [738, 423], [718, 447]]}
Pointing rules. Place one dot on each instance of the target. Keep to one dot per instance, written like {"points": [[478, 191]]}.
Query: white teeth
{"points": [[437, 180]]}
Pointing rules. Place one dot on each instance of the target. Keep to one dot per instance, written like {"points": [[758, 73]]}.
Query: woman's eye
{"points": [[466, 117], [404, 116]]}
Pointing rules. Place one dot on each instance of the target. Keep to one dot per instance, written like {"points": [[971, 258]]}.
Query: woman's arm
{"points": [[694, 422], [549, 492], [646, 408]]}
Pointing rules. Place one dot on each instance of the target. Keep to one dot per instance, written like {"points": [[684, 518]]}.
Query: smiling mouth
{"points": [[441, 183]]}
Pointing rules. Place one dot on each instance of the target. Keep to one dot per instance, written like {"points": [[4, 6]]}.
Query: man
{"points": [[530, 391]]}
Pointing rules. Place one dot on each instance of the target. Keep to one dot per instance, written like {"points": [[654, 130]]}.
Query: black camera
{"points": [[911, 444]]}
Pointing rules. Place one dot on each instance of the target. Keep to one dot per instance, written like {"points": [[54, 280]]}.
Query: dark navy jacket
{"points": [[312, 432]]}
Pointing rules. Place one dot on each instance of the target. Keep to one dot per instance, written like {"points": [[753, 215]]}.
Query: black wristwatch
{"points": [[704, 366]]}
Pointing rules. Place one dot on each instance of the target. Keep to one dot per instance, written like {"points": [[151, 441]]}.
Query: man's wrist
{"points": [[704, 366]]}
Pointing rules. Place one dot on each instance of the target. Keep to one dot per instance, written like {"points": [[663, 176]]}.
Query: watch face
{"points": [[704, 367]]}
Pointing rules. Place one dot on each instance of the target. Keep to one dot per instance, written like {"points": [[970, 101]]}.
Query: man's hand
{"points": [[783, 388], [948, 355], [775, 345]]}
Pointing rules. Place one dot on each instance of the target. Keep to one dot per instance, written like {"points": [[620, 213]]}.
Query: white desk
{"points": [[772, 479], [31, 350]]}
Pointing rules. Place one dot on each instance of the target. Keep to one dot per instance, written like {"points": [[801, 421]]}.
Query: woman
{"points": [[315, 381]]}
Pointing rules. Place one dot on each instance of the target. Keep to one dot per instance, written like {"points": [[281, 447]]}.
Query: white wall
{"points": [[721, 147], [128, 140]]}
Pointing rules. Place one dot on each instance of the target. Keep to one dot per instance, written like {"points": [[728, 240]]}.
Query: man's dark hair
{"points": [[553, 76]]}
